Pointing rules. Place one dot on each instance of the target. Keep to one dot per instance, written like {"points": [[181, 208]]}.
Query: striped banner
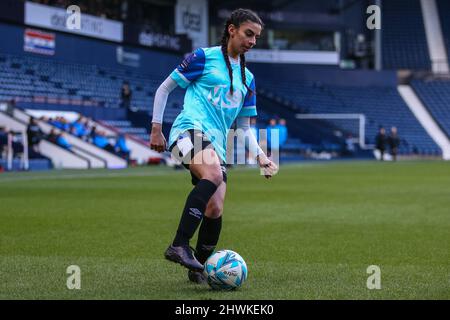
{"points": [[40, 42]]}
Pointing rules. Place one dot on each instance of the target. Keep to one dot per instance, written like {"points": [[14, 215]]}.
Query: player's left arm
{"points": [[268, 167]]}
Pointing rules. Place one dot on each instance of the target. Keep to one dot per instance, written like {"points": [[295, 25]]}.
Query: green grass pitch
{"points": [[309, 233]]}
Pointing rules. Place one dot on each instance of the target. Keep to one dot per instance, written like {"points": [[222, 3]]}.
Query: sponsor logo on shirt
{"points": [[221, 97]]}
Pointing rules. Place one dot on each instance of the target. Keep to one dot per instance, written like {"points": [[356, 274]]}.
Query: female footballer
{"points": [[220, 91]]}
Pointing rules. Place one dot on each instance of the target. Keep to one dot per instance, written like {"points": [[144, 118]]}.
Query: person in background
{"points": [[272, 144], [282, 131], [380, 142], [52, 136], [102, 141], [60, 123], [79, 128], [394, 142], [62, 141], [17, 143], [121, 147], [349, 147], [92, 134], [3, 140], [34, 136], [87, 126], [126, 95]]}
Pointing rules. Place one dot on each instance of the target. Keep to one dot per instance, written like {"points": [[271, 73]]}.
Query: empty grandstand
{"points": [[84, 74]]}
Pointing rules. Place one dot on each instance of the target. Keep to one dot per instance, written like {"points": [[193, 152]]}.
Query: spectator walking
{"points": [[34, 136], [380, 142], [126, 95], [394, 142]]}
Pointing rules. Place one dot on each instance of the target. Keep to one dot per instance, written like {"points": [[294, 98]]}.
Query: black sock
{"points": [[208, 236], [193, 211]]}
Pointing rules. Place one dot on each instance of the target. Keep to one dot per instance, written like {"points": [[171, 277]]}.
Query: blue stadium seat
{"points": [[403, 36], [436, 96], [26, 77], [382, 106], [444, 10]]}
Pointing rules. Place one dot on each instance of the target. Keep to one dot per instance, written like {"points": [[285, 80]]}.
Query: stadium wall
{"points": [[78, 49], [324, 74]]}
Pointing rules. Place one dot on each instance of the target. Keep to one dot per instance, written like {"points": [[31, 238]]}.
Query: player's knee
{"points": [[214, 175]]}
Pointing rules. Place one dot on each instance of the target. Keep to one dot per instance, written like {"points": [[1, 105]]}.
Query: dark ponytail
{"points": [[237, 18]]}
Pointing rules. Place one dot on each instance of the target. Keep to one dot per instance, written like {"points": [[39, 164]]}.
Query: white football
{"points": [[225, 270]]}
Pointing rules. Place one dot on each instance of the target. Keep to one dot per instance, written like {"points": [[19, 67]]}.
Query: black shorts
{"points": [[185, 148]]}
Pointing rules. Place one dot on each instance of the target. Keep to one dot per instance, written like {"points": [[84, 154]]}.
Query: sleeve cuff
{"points": [[179, 78]]}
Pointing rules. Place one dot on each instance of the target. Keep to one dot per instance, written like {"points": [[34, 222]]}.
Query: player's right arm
{"points": [[186, 72], [157, 139]]}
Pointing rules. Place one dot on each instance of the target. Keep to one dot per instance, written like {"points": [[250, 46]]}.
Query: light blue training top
{"points": [[208, 103]]}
